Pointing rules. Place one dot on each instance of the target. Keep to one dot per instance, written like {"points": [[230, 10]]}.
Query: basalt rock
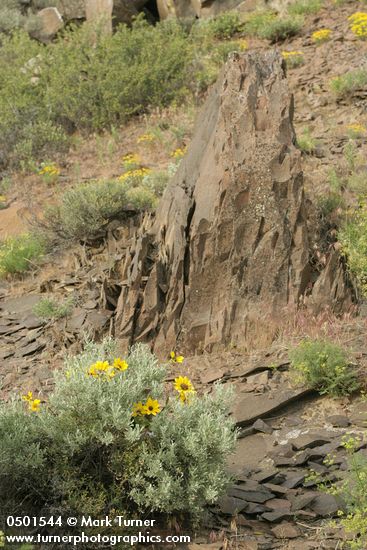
{"points": [[229, 248]]}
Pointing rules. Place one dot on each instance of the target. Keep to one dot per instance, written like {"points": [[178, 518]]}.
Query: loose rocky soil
{"points": [[285, 431]]}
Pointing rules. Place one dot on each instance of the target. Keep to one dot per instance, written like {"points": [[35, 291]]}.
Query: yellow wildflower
{"points": [[242, 44], [176, 358], [358, 16], [138, 173], [183, 384], [131, 159], [120, 364], [356, 130], [50, 170], [28, 397], [146, 138], [359, 24], [178, 153], [34, 405], [139, 409], [321, 36], [2, 198], [186, 395], [152, 406], [99, 368]]}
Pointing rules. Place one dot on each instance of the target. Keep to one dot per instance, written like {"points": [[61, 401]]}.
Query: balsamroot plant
{"points": [[114, 436]]}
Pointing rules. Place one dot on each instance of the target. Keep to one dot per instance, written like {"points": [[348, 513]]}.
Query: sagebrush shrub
{"points": [[114, 438], [86, 209], [324, 366]]}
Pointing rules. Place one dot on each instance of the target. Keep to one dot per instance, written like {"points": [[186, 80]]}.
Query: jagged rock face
{"points": [[229, 246]]}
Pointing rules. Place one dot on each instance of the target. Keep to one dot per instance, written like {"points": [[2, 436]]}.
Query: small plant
{"points": [[18, 254], [353, 238], [281, 28], [353, 492], [324, 366], [293, 59], [305, 7], [356, 131], [49, 173], [306, 142], [348, 83], [49, 308], [117, 438], [330, 202], [322, 35]]}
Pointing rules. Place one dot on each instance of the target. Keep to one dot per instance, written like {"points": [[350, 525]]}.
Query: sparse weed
{"points": [[18, 254], [306, 142], [49, 308]]}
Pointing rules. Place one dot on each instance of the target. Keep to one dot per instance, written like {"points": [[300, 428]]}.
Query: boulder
{"points": [[72, 9], [229, 248], [100, 10], [51, 23], [175, 8]]}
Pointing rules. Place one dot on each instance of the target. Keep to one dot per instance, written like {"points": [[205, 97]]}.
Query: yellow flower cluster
{"points": [[33, 404], [293, 59], [178, 153], [146, 138], [151, 407], [137, 173], [2, 198], [49, 170], [358, 24], [131, 159], [184, 387], [104, 369], [356, 130], [287, 55], [321, 36]]}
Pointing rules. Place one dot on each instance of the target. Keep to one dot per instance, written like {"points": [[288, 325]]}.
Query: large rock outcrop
{"points": [[229, 247]]}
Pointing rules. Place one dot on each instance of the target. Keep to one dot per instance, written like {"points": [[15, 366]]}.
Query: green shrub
{"points": [[85, 452], [324, 366], [13, 15], [306, 142], [351, 81], [75, 84], [353, 238], [257, 21], [224, 26], [18, 254], [48, 308], [305, 7], [266, 24]]}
